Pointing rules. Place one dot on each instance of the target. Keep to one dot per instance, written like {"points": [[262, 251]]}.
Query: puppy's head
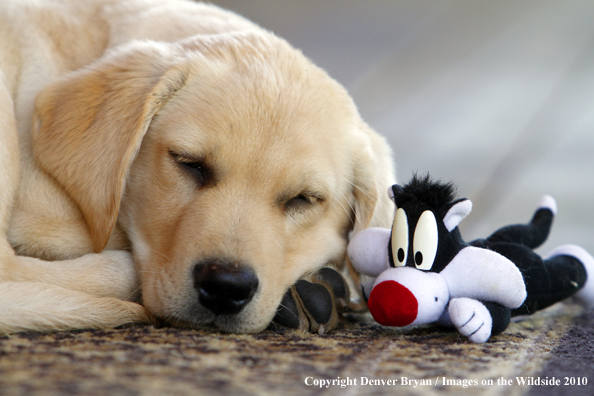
{"points": [[233, 163]]}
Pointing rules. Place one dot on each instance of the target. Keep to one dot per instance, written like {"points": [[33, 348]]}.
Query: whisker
{"points": [[352, 210], [351, 206], [155, 251], [283, 306], [138, 290], [345, 210], [357, 187]]}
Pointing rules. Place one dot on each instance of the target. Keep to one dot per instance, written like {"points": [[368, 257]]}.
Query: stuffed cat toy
{"points": [[424, 272]]}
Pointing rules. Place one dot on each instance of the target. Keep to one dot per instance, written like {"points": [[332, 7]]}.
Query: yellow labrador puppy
{"points": [[174, 151]]}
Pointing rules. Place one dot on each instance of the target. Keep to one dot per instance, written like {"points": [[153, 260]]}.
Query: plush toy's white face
{"points": [[405, 296]]}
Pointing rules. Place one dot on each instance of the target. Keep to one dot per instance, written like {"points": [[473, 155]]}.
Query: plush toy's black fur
{"points": [[424, 189]]}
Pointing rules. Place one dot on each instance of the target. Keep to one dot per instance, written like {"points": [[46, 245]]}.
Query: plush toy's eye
{"points": [[425, 241], [400, 238]]}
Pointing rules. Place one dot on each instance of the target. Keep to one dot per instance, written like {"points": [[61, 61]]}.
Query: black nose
{"points": [[224, 287]]}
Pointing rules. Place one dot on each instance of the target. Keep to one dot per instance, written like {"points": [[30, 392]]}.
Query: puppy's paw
{"points": [[314, 302], [471, 318]]}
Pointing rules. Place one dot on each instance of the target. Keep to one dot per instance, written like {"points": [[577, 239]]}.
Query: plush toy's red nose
{"points": [[392, 304]]}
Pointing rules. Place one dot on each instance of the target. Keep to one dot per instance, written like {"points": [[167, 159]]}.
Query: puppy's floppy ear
{"points": [[373, 174], [88, 127]]}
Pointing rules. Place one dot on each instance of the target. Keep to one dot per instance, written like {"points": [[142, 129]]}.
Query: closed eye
{"points": [[301, 203], [196, 168]]}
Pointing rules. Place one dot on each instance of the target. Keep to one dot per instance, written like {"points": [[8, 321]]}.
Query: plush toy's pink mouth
{"points": [[392, 304]]}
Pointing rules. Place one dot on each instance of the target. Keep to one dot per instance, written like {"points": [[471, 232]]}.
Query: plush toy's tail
{"points": [[585, 295], [533, 234]]}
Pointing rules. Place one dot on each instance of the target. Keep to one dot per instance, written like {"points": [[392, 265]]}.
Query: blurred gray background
{"points": [[497, 96]]}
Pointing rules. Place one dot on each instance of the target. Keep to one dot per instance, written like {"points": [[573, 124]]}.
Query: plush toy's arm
{"points": [[471, 318], [477, 320], [368, 251]]}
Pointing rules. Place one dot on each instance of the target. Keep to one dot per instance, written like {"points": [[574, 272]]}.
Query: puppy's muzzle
{"points": [[224, 287]]}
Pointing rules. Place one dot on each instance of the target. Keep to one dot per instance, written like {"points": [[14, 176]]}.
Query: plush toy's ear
{"points": [[459, 210], [88, 127], [395, 190]]}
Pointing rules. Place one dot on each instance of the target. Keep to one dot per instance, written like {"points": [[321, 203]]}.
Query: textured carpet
{"points": [[145, 360]]}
